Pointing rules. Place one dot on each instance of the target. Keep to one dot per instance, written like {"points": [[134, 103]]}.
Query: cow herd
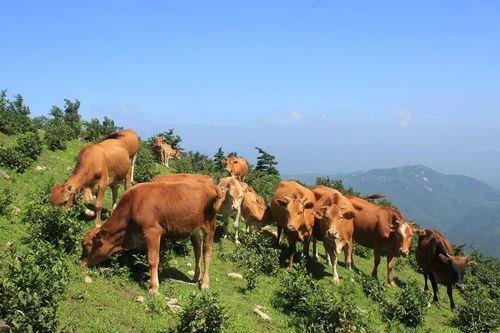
{"points": [[181, 206]]}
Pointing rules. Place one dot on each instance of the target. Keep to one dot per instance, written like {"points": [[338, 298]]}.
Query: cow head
{"points": [[299, 214], [255, 208], [456, 266], [177, 154], [234, 192], [333, 216], [159, 141], [63, 194], [231, 164], [97, 246], [403, 231]]}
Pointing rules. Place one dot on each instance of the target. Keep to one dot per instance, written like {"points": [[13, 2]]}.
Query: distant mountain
{"points": [[465, 209]]}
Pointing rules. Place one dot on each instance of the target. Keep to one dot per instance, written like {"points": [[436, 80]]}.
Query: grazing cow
{"points": [[98, 166], [435, 256], [292, 208], [333, 225], [149, 211], [382, 229], [237, 166], [231, 206], [180, 177], [129, 138], [166, 151], [253, 208]]}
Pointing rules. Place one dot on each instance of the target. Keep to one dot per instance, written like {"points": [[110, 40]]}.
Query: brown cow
{"points": [[231, 206], [333, 225], [253, 208], [180, 177], [167, 152], [435, 256], [98, 165], [237, 166], [292, 208], [150, 211], [128, 137], [382, 229]]}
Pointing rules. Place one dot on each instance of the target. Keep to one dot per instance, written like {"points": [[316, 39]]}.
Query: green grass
{"points": [[108, 304]]}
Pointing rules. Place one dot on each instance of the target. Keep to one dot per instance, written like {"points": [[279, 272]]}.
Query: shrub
{"points": [[55, 226], [362, 251], [57, 135], [487, 274], [31, 285], [11, 158], [5, 201], [145, 167], [372, 287], [295, 289], [203, 314], [263, 183], [14, 115], [257, 253], [30, 145], [409, 305], [479, 313], [94, 131]]}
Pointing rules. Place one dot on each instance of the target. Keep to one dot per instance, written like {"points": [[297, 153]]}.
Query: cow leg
{"points": [[348, 255], [114, 192], [225, 223], [391, 261], [279, 230], [236, 226], [305, 252], [328, 257], [449, 290], [132, 167], [330, 248], [153, 243], [426, 287], [207, 255], [293, 248], [167, 160], [376, 262], [315, 250], [128, 179], [197, 247], [434, 287], [98, 203]]}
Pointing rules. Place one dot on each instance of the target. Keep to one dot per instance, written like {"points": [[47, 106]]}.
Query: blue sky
{"points": [[326, 86]]}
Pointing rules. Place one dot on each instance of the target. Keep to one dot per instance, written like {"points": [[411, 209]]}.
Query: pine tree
{"points": [[220, 160], [266, 162]]}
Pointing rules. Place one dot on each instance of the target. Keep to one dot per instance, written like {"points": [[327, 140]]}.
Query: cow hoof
{"points": [[336, 279], [204, 286], [89, 213], [392, 284], [237, 242], [153, 292]]}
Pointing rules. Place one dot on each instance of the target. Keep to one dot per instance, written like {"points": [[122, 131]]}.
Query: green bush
{"points": [[480, 313], [29, 145], [94, 131], [263, 183], [5, 201], [362, 251], [31, 285], [13, 159], [60, 228], [409, 306], [257, 253], [487, 274], [203, 314], [14, 115], [57, 135], [372, 287], [145, 167]]}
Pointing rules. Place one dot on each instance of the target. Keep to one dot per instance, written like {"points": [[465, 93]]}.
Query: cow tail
{"points": [[375, 196]]}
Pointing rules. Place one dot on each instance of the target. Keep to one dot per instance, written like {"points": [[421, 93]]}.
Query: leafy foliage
{"points": [[336, 184], [266, 162], [480, 312], [169, 136], [30, 145], [373, 288], [145, 167], [57, 134], [409, 306], [31, 285], [94, 131], [23, 154], [14, 115], [203, 314], [5, 201], [263, 183], [220, 160]]}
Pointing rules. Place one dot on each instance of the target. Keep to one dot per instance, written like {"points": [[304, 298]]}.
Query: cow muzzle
{"points": [[404, 252], [460, 286], [332, 233]]}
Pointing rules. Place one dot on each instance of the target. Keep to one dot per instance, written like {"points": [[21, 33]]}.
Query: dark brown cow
{"points": [[382, 229], [333, 225], [435, 257], [98, 165], [292, 208], [150, 211], [237, 166]]}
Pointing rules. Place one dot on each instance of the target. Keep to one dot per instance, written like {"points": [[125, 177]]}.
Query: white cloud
{"points": [[405, 118], [294, 115], [125, 107]]}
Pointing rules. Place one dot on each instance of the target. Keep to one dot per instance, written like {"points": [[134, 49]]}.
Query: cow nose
{"points": [[291, 228], [332, 233], [460, 286], [405, 252]]}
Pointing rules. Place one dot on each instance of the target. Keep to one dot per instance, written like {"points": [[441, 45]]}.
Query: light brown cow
{"points": [[149, 211], [254, 211], [292, 208], [128, 137], [179, 177], [436, 259], [333, 225], [98, 165], [237, 166], [167, 152], [382, 229], [231, 206]]}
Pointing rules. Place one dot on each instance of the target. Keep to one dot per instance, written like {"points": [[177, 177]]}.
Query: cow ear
{"points": [[444, 258], [471, 263], [308, 205], [420, 232], [348, 215]]}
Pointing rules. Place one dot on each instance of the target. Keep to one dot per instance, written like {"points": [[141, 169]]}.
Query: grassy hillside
{"points": [[108, 303]]}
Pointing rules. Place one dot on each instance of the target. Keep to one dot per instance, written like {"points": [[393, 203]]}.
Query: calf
{"points": [[98, 165], [333, 225], [384, 230], [167, 152], [435, 258], [231, 206], [237, 167], [150, 211], [292, 208]]}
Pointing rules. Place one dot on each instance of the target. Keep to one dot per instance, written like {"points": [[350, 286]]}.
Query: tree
{"points": [[220, 160], [266, 162], [14, 115], [336, 184]]}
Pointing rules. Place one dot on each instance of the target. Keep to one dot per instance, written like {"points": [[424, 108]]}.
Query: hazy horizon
{"points": [[326, 87]]}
